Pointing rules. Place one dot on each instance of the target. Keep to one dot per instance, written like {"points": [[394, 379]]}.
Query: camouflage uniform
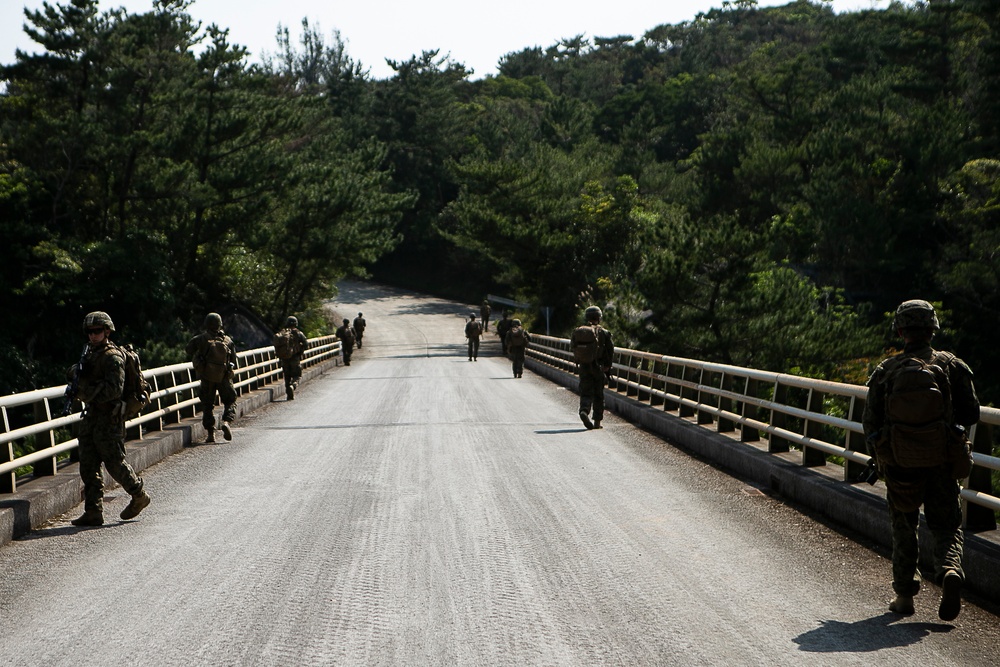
{"points": [[473, 331], [910, 487], [347, 337], [593, 376], [197, 348], [502, 327], [359, 328], [291, 367], [516, 351], [102, 431], [484, 312]]}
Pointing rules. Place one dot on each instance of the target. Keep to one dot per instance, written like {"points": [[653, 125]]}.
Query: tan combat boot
{"points": [[139, 502], [903, 605], [210, 435]]}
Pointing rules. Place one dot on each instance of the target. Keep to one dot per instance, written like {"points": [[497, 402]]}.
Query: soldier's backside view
{"points": [[473, 331], [213, 355], [289, 345], [99, 380], [359, 328], [593, 349]]}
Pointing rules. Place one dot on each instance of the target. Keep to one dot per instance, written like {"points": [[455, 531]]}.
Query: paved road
{"points": [[418, 509]]}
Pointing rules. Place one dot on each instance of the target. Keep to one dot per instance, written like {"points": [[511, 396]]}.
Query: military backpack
{"points": [[589, 346], [286, 344], [516, 337], [135, 393], [212, 365], [918, 410]]}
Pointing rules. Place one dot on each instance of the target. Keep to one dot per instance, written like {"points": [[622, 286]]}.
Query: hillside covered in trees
{"points": [[754, 186]]}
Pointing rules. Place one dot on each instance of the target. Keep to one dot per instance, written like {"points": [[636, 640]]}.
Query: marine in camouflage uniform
{"points": [[291, 367], [473, 331], [359, 327], [910, 487], [516, 350], [593, 375], [100, 381], [347, 337], [197, 348], [502, 327]]}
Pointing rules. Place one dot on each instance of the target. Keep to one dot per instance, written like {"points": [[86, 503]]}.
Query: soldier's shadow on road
{"points": [[557, 431], [872, 634]]}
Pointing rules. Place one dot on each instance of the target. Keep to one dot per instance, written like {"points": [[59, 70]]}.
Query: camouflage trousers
{"points": [[934, 488], [292, 370], [517, 357], [592, 390], [102, 440], [227, 394], [474, 347]]}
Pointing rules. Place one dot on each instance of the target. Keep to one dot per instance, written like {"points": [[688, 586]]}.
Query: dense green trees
{"points": [[755, 186]]}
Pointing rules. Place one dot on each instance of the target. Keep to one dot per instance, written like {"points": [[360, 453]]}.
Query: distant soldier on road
{"points": [[99, 381], [289, 345], [213, 355], [517, 342], [473, 331], [359, 328], [484, 312], [502, 327], [347, 337], [920, 405], [593, 349]]}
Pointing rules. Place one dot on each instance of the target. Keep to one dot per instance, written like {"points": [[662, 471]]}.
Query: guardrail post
{"points": [[47, 466], [690, 376], [749, 411], [778, 419], [706, 378], [671, 389], [726, 404], [8, 480], [855, 441], [655, 399], [813, 457], [977, 517]]}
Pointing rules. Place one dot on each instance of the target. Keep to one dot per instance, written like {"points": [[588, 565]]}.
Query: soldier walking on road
{"points": [[289, 344], [473, 331], [920, 405], [502, 327], [359, 328], [99, 381], [517, 342], [213, 355], [347, 337], [484, 312], [593, 349]]}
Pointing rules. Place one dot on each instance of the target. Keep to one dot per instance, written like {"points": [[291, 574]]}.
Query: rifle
{"points": [[74, 384]]}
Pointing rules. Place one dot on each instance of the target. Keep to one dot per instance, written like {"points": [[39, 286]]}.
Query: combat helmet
{"points": [[593, 314], [292, 322], [96, 319], [915, 314], [213, 321]]}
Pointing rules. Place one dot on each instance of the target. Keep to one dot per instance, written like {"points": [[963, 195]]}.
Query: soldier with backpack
{"points": [[921, 403], [289, 344], [213, 355], [502, 327], [593, 349], [517, 341], [99, 381], [473, 331], [347, 337]]}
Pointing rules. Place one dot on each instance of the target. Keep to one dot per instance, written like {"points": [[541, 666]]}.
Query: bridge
{"points": [[419, 509]]}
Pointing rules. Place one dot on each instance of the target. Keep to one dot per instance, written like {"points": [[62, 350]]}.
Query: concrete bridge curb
{"points": [[39, 500], [817, 490]]}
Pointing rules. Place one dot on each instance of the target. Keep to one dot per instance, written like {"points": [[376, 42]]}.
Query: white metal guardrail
{"points": [[780, 412], [37, 414]]}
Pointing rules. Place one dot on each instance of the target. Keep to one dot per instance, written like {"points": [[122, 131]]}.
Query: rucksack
{"points": [[516, 337], [286, 344], [213, 364], [473, 329], [918, 410], [589, 345], [135, 393], [346, 334]]}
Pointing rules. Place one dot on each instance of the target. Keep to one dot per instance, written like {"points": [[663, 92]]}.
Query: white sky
{"points": [[474, 33]]}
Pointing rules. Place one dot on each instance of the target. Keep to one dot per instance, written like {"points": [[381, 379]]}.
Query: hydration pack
{"points": [[286, 344], [588, 348], [213, 364], [135, 394]]}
